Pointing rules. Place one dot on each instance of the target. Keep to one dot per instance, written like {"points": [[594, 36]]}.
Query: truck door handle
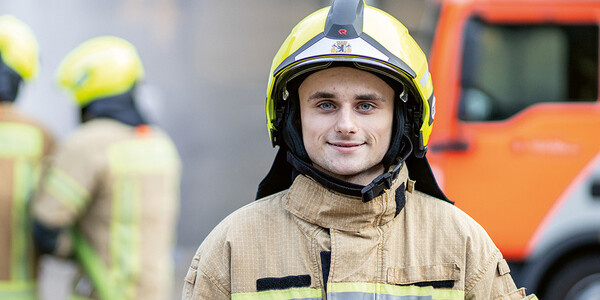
{"points": [[450, 146]]}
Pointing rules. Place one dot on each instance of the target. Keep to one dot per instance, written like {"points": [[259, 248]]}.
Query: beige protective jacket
{"points": [[400, 245], [118, 186], [23, 145]]}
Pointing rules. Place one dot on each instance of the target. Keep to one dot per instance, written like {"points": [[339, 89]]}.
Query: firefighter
{"points": [[110, 196], [350, 208], [24, 144]]}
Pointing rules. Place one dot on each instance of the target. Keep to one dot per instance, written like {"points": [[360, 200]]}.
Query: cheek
{"points": [[382, 128], [313, 124], [309, 130]]}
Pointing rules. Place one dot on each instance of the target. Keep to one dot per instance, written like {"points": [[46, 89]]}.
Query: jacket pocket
{"points": [[437, 276], [190, 277], [517, 295]]}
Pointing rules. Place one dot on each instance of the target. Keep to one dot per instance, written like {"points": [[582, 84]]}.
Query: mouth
{"points": [[345, 146]]}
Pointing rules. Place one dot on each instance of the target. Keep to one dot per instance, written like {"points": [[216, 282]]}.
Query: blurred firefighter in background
{"points": [[23, 145], [110, 197]]}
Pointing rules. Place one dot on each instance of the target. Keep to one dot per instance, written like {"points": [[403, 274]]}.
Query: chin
{"points": [[346, 172]]}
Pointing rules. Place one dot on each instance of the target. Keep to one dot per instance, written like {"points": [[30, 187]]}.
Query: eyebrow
{"points": [[370, 97], [324, 95], [321, 95]]}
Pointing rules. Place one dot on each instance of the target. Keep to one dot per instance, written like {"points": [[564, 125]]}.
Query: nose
{"points": [[346, 122]]}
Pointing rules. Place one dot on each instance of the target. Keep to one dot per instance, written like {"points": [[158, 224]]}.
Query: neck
{"points": [[363, 178]]}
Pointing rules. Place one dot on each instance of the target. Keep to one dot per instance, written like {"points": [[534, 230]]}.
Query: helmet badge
{"points": [[341, 47]]}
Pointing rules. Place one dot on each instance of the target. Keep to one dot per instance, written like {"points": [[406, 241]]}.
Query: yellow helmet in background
{"points": [[19, 47], [353, 33], [100, 67]]}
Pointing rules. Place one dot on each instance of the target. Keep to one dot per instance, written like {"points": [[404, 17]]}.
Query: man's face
{"points": [[347, 116]]}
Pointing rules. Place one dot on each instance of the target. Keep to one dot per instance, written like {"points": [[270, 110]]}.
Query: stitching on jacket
{"points": [[520, 293], [382, 274], [214, 281], [317, 268], [332, 234], [493, 260]]}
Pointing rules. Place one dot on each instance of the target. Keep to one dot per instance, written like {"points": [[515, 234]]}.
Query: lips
{"points": [[345, 146]]}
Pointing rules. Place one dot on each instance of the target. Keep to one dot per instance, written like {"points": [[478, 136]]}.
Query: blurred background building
{"points": [[207, 66]]}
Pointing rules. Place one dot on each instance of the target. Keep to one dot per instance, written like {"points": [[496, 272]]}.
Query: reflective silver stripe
{"points": [[366, 290], [289, 294], [425, 78], [365, 296]]}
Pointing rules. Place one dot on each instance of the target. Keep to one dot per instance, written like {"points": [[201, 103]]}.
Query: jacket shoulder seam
{"points": [[491, 261], [214, 281]]}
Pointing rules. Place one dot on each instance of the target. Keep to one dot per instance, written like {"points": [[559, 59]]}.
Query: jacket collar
{"points": [[312, 202]]}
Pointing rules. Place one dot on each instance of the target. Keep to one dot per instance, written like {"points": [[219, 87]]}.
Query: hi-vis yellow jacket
{"points": [[23, 145], [117, 187], [311, 243]]}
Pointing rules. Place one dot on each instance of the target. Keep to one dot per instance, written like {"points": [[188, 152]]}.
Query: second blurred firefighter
{"points": [[111, 196]]}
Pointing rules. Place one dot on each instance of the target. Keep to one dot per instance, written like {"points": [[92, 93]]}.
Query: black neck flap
{"points": [[420, 171], [287, 166], [10, 82], [279, 178], [120, 107]]}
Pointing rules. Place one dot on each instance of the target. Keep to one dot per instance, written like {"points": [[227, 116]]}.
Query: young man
{"points": [[349, 208], [24, 143], [111, 195]]}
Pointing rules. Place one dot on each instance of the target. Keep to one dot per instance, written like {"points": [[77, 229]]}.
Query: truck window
{"points": [[507, 68]]}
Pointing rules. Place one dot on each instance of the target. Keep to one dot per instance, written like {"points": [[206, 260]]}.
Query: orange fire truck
{"points": [[517, 133]]}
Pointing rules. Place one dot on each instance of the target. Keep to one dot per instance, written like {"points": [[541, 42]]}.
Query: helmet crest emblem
{"points": [[341, 47]]}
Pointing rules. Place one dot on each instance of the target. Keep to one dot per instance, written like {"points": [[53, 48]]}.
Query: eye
{"points": [[365, 106], [325, 106]]}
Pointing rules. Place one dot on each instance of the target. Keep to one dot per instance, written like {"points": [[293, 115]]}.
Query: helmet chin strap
{"points": [[367, 193], [384, 181]]}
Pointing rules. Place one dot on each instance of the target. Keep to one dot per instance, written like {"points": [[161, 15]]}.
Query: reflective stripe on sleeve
{"points": [[289, 294], [66, 190], [15, 290], [20, 140], [364, 290], [21, 248], [125, 235]]}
